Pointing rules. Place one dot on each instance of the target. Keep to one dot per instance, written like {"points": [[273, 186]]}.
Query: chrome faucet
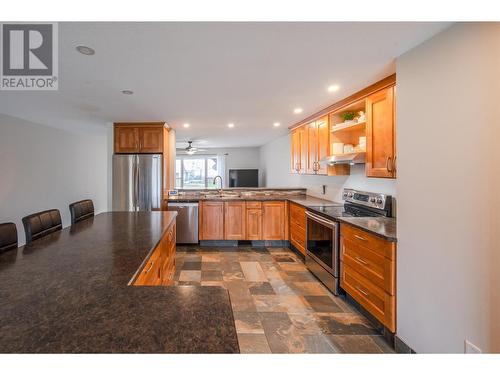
{"points": [[215, 179]]}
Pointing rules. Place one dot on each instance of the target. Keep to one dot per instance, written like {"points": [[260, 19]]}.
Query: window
{"points": [[197, 171]]}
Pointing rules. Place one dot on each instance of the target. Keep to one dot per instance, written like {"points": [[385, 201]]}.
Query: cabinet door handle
{"points": [[394, 164], [361, 260], [388, 164], [360, 238], [362, 291], [151, 266]]}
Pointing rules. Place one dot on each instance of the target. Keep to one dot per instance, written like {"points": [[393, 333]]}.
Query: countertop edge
{"points": [[387, 238]]}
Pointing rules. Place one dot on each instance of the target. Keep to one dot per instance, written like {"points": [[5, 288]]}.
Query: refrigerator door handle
{"points": [[137, 186]]}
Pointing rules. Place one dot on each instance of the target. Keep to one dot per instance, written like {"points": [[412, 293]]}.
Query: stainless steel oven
{"points": [[322, 249]]}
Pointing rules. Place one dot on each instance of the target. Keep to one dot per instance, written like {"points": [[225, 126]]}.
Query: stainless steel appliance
{"points": [[137, 181], [187, 221], [323, 234]]}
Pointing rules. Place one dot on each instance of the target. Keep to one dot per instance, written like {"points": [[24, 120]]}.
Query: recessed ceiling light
{"points": [[297, 110], [186, 125], [230, 125], [276, 124], [127, 92], [84, 50], [333, 88]]}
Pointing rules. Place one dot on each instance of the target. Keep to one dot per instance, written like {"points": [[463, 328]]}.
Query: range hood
{"points": [[353, 158]]}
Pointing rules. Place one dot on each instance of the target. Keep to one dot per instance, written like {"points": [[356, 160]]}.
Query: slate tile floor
{"points": [[278, 306]]}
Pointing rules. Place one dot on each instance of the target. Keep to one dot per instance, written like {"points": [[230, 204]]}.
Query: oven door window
{"points": [[321, 243]]}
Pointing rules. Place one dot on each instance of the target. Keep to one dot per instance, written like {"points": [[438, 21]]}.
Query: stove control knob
{"points": [[350, 195], [372, 200], [379, 200]]}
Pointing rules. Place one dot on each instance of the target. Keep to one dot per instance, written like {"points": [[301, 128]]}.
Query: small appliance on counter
{"points": [[323, 234]]}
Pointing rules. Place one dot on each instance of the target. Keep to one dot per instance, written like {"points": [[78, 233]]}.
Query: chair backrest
{"points": [[81, 210], [8, 237], [40, 224]]}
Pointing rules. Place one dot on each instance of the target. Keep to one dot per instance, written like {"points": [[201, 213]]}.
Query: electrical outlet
{"points": [[470, 348]]}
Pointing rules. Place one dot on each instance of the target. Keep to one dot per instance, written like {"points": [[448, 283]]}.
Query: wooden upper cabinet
{"points": [[295, 151], [304, 146], [211, 221], [312, 147], [235, 220], [136, 138], [323, 143], [151, 139], [310, 143], [380, 134], [273, 220], [126, 140], [299, 150], [319, 145]]}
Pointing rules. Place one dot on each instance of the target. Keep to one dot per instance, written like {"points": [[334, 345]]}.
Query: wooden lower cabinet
{"points": [[368, 272], [298, 227], [273, 220], [235, 220], [253, 221], [160, 266], [211, 220], [240, 220]]}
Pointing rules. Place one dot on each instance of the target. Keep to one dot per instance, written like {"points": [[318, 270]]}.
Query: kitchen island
{"points": [[69, 293]]}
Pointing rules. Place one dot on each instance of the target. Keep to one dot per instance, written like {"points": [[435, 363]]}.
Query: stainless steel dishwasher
{"points": [[187, 221]]}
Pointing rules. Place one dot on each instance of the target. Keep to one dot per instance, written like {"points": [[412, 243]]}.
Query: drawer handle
{"points": [[361, 260], [362, 291], [151, 266], [360, 238]]}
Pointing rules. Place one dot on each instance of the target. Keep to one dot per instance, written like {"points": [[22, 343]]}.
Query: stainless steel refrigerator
{"points": [[137, 182]]}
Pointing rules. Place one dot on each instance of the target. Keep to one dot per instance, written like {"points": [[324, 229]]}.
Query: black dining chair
{"points": [[8, 237], [81, 210], [40, 224]]}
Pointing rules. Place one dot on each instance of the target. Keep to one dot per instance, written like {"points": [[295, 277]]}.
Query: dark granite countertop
{"points": [[384, 227], [68, 293]]}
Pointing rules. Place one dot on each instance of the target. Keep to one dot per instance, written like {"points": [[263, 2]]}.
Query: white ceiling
{"points": [[210, 74]]}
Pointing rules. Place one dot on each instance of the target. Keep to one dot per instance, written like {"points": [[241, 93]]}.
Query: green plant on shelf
{"points": [[348, 116]]}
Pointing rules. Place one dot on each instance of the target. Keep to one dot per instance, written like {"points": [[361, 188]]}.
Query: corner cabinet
{"points": [[381, 134]]}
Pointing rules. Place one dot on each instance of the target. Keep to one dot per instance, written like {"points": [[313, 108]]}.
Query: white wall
{"points": [[448, 191], [275, 166], [43, 167]]}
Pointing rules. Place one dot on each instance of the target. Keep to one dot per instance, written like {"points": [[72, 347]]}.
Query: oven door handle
{"points": [[319, 219]]}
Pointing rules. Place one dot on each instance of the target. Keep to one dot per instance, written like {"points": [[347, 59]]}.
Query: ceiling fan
{"points": [[190, 149]]}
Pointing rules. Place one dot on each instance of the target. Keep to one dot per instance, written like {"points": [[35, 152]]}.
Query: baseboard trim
{"points": [[235, 243]]}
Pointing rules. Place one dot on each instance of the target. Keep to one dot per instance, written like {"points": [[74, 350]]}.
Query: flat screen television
{"points": [[243, 178]]}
